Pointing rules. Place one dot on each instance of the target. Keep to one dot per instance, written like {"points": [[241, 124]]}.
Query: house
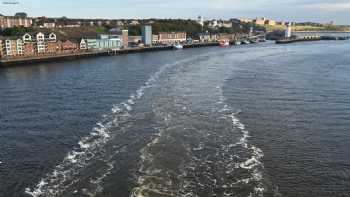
{"points": [[49, 25], [83, 45], [69, 45], [19, 47], [155, 39], [29, 48], [40, 43], [10, 47], [172, 37]]}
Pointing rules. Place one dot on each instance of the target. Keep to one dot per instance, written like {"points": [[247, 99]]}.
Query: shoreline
{"points": [[70, 56]]}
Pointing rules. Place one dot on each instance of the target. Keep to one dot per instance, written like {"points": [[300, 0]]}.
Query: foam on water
{"points": [[90, 147]]}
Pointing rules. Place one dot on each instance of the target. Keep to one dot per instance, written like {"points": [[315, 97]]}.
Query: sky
{"points": [[284, 10]]}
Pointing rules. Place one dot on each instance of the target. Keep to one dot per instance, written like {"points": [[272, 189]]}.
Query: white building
{"points": [[83, 45]]}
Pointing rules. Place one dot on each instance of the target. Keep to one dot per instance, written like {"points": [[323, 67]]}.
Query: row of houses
{"points": [[31, 44], [35, 44]]}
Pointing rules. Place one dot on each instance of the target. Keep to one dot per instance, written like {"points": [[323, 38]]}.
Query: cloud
{"points": [[329, 7]]}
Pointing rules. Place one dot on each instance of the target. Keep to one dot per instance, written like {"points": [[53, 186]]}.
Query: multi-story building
{"points": [[155, 39], [20, 47], [260, 21], [208, 37], [105, 42], [29, 45], [172, 37], [147, 35], [13, 21], [125, 38]]}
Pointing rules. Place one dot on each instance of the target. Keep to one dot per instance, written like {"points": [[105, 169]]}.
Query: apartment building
{"points": [[13, 21], [172, 37]]}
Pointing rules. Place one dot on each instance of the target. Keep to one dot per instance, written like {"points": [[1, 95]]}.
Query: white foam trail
{"points": [[252, 163], [56, 182]]}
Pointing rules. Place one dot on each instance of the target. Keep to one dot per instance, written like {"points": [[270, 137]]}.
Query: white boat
{"points": [[224, 43], [238, 43], [245, 42], [178, 46]]}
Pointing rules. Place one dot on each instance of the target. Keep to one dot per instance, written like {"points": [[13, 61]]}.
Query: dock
{"points": [[310, 39]]}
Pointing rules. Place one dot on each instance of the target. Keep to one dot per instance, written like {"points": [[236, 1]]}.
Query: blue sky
{"points": [[288, 10]]}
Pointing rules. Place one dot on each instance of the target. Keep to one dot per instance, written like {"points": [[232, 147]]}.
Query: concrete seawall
{"points": [[72, 56]]}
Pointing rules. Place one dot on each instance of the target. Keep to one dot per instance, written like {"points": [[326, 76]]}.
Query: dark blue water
{"points": [[259, 120]]}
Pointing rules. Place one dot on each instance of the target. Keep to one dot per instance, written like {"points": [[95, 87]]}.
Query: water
{"points": [[258, 120]]}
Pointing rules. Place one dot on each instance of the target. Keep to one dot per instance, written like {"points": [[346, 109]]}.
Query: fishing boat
{"points": [[224, 43]]}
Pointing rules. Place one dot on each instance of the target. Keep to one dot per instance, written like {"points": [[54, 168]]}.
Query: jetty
{"points": [[309, 39]]}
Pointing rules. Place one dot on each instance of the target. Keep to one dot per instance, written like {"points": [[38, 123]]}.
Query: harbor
{"points": [[90, 54]]}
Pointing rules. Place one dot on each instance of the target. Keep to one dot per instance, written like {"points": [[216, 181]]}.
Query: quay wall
{"points": [[65, 57]]}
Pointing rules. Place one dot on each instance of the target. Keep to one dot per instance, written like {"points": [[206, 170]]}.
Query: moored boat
{"points": [[224, 43], [178, 46]]}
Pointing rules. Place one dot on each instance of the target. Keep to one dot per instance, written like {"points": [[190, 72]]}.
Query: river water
{"points": [[257, 120]]}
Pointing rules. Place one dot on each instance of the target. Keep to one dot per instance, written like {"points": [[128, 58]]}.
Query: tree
{"points": [[21, 14]]}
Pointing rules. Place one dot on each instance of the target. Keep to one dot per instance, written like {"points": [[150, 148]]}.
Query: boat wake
{"points": [[95, 150], [201, 148]]}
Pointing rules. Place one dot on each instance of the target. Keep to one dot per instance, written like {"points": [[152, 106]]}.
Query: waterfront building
{"points": [[172, 37], [15, 21], [19, 47], [29, 48], [147, 35], [155, 39], [40, 43], [105, 42], [69, 45], [208, 37], [83, 45], [135, 40], [10, 47], [52, 47], [125, 38]]}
